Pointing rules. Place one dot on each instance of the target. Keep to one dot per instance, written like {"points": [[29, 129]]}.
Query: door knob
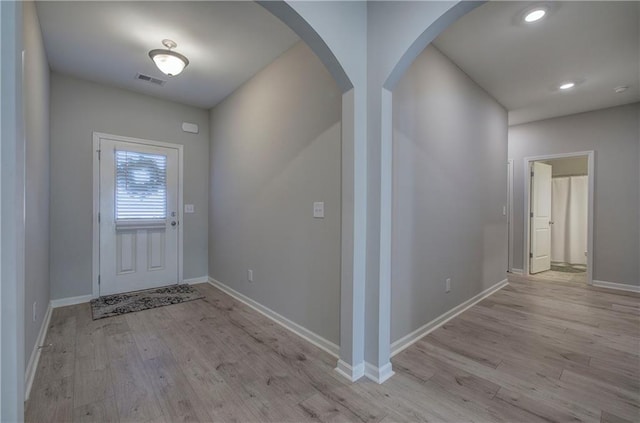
{"points": [[551, 222], [174, 223]]}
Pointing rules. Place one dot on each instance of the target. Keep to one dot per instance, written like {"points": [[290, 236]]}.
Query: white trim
{"points": [[301, 331], [590, 212], [424, 330], [510, 179], [30, 373], [347, 371], [95, 262], [383, 325], [353, 228], [192, 281], [517, 271], [618, 286], [378, 374], [97, 136], [63, 302]]}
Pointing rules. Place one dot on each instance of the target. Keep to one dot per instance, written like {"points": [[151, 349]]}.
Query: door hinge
{"points": [[99, 151], [532, 173], [530, 255], [98, 217], [98, 279], [531, 214]]}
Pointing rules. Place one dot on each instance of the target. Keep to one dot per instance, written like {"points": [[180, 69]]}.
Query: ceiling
{"points": [[108, 42], [596, 44]]}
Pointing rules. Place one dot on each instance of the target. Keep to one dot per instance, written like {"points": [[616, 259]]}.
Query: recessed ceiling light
{"points": [[621, 89], [534, 15], [567, 85]]}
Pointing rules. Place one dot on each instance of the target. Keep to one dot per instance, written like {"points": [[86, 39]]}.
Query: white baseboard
{"points": [[301, 331], [618, 286], [517, 271], [378, 374], [193, 281], [422, 331], [32, 366], [351, 373], [63, 302]]}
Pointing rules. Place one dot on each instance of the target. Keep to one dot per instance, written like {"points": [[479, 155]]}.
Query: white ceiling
{"points": [[521, 65], [108, 42]]}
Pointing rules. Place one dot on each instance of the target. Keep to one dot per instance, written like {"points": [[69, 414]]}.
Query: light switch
{"points": [[189, 208], [318, 209]]}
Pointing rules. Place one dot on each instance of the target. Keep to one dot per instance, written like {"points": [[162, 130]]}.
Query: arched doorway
{"points": [[401, 56]]}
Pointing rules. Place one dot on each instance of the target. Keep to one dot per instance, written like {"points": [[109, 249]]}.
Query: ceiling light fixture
{"points": [[621, 89], [169, 62], [567, 85], [535, 15]]}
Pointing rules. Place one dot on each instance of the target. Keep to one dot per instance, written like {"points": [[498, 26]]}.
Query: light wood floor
{"points": [[553, 275], [536, 351]]}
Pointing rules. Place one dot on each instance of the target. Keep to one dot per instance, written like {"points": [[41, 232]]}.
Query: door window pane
{"points": [[141, 185]]}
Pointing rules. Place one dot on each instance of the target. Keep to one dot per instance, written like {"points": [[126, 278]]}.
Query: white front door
{"points": [[138, 216], [540, 257]]}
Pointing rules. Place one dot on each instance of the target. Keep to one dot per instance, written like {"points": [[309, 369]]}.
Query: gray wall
{"points": [[36, 103], [449, 187], [275, 149], [78, 108], [614, 136]]}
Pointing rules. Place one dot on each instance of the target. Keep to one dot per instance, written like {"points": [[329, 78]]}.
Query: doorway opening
{"points": [[559, 215]]}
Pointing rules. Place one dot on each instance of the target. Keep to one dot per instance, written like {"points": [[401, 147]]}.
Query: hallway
{"points": [[534, 351]]}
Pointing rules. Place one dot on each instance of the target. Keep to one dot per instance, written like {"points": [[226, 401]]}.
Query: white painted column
{"points": [[12, 147]]}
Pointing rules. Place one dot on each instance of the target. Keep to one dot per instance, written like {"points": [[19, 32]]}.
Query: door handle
{"points": [[174, 223], [551, 222]]}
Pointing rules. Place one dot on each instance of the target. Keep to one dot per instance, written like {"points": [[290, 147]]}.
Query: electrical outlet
{"points": [[447, 285], [250, 275], [35, 310]]}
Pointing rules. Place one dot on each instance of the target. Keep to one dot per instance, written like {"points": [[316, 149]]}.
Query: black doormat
{"points": [[117, 304]]}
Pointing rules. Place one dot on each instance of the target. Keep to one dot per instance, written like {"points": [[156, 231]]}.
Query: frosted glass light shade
{"points": [[535, 15], [169, 62]]}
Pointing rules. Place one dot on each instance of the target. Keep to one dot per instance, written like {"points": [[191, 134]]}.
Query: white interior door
{"points": [[138, 216], [540, 252]]}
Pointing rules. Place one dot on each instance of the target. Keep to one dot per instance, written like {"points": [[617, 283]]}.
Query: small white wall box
{"points": [[190, 127], [318, 209]]}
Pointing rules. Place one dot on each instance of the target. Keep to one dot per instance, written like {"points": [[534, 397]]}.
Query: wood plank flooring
{"points": [[553, 275], [536, 351]]}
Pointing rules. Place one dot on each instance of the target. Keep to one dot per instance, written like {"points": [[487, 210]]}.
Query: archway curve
{"points": [[386, 349], [300, 26], [353, 202], [429, 34]]}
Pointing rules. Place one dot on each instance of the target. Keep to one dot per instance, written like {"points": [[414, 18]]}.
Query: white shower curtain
{"points": [[569, 205]]}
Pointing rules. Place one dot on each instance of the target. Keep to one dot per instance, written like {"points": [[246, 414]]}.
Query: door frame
{"points": [[97, 136], [510, 167], [527, 206]]}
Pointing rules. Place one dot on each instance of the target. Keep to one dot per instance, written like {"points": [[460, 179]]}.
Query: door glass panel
{"points": [[141, 185]]}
